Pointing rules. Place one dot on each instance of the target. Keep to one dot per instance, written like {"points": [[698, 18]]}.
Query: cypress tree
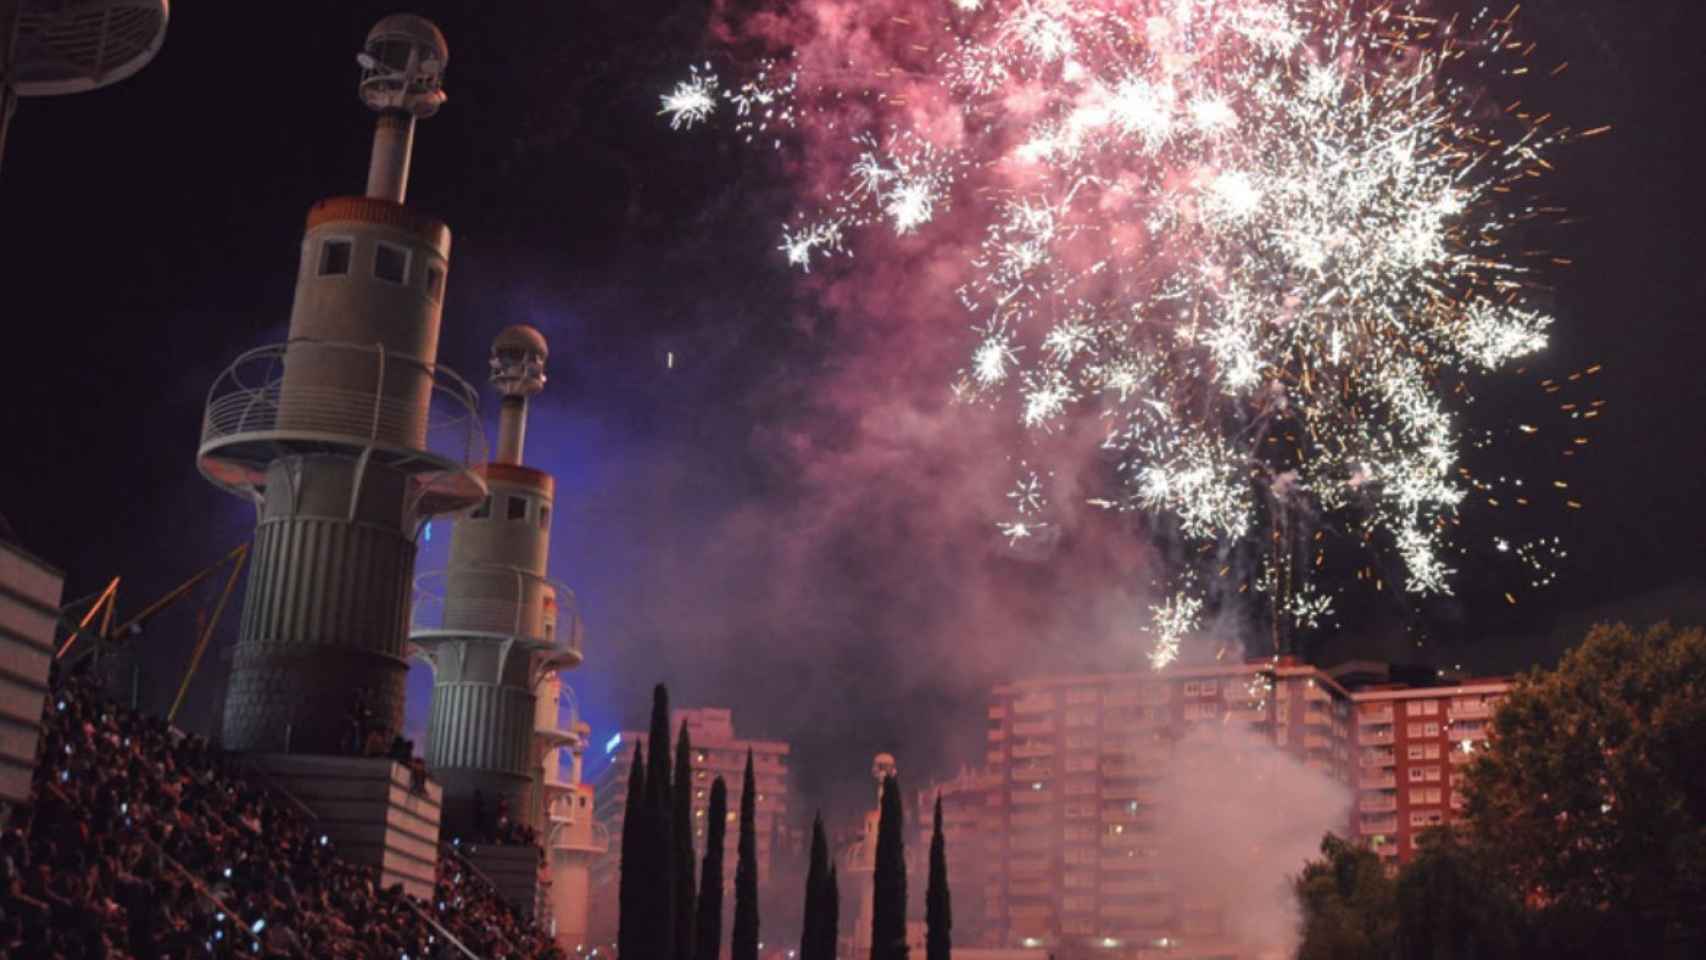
{"points": [[629, 884], [709, 928], [682, 827], [658, 886], [744, 943], [817, 876], [888, 895], [830, 927], [938, 908]]}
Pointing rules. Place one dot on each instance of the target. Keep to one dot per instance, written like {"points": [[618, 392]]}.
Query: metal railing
{"points": [[499, 616], [251, 399]]}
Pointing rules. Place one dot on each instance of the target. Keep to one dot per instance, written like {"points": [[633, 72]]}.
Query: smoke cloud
{"points": [[1238, 817]]}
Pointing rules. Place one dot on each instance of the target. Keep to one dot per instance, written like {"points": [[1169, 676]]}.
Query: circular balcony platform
{"points": [[252, 419], [72, 46], [498, 620]]}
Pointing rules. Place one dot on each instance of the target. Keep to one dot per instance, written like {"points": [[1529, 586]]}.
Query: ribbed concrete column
{"points": [[480, 726], [325, 616]]}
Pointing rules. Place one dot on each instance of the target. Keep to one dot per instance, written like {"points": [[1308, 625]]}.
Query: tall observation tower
{"points": [[503, 631], [347, 437]]}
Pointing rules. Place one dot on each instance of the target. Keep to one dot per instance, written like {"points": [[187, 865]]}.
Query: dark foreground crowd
{"points": [[143, 842]]}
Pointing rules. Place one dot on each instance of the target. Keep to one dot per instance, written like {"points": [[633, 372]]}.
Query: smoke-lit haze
{"points": [[1237, 818]]}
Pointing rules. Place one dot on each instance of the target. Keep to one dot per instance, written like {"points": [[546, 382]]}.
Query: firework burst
{"points": [[1263, 242]]}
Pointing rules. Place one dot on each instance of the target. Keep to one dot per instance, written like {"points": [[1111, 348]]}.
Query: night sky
{"points": [[793, 520]]}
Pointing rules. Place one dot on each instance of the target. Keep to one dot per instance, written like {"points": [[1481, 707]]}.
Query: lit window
{"points": [[435, 283], [1208, 687], [1430, 730], [334, 258], [1191, 688], [517, 508], [1415, 774], [390, 263]]}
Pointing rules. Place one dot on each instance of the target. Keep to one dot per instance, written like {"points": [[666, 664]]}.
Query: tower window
{"points": [[390, 263], [544, 517], [435, 283], [517, 508], [334, 258]]}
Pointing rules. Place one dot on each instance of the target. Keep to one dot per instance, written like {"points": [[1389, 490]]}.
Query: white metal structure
{"points": [[57, 47]]}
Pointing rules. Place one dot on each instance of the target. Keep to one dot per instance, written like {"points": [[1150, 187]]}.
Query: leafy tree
{"points": [[816, 911], [1454, 905], [1348, 904], [708, 930], [1591, 795], [630, 885], [744, 942], [888, 896], [681, 824], [938, 908]]}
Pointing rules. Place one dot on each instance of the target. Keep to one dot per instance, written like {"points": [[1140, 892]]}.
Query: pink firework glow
{"points": [[1263, 246]]}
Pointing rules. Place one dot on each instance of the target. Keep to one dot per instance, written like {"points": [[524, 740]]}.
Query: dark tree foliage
{"points": [[681, 828], [1453, 905], [743, 943], [888, 895], [708, 930], [631, 869], [1347, 903], [830, 928], [1591, 795], [817, 880], [938, 906], [658, 888]]}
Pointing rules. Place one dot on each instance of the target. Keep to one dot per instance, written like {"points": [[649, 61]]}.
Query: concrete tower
{"points": [[347, 437], [505, 627], [573, 836]]}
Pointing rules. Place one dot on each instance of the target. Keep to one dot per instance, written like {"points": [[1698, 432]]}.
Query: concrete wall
{"points": [[29, 607], [367, 808]]}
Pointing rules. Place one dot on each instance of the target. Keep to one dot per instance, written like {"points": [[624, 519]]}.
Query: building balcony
{"points": [[1469, 711], [1378, 758], [1136, 886], [1317, 718], [1031, 771], [1378, 826], [1317, 741], [1127, 791], [1030, 728], [1035, 819], [1126, 840], [1031, 798], [1034, 704], [997, 735], [1386, 851], [1372, 780], [1457, 757], [1382, 715], [1381, 804], [439, 615], [1376, 735], [1029, 750], [326, 398], [997, 713], [1027, 866]]}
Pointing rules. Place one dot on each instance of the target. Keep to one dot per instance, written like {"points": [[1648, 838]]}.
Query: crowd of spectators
{"points": [[493, 824], [144, 842]]}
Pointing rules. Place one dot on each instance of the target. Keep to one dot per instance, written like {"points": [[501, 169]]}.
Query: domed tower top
{"points": [[402, 66], [402, 79], [518, 371], [518, 361]]}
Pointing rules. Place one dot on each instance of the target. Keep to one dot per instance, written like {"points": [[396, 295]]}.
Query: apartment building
{"points": [[717, 752], [1069, 818], [1412, 744]]}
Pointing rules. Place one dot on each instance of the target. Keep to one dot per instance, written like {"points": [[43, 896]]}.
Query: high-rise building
{"points": [[964, 797], [1075, 763], [717, 752]]}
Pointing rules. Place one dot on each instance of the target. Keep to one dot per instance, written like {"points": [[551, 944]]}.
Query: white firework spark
{"points": [[1261, 241]]}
